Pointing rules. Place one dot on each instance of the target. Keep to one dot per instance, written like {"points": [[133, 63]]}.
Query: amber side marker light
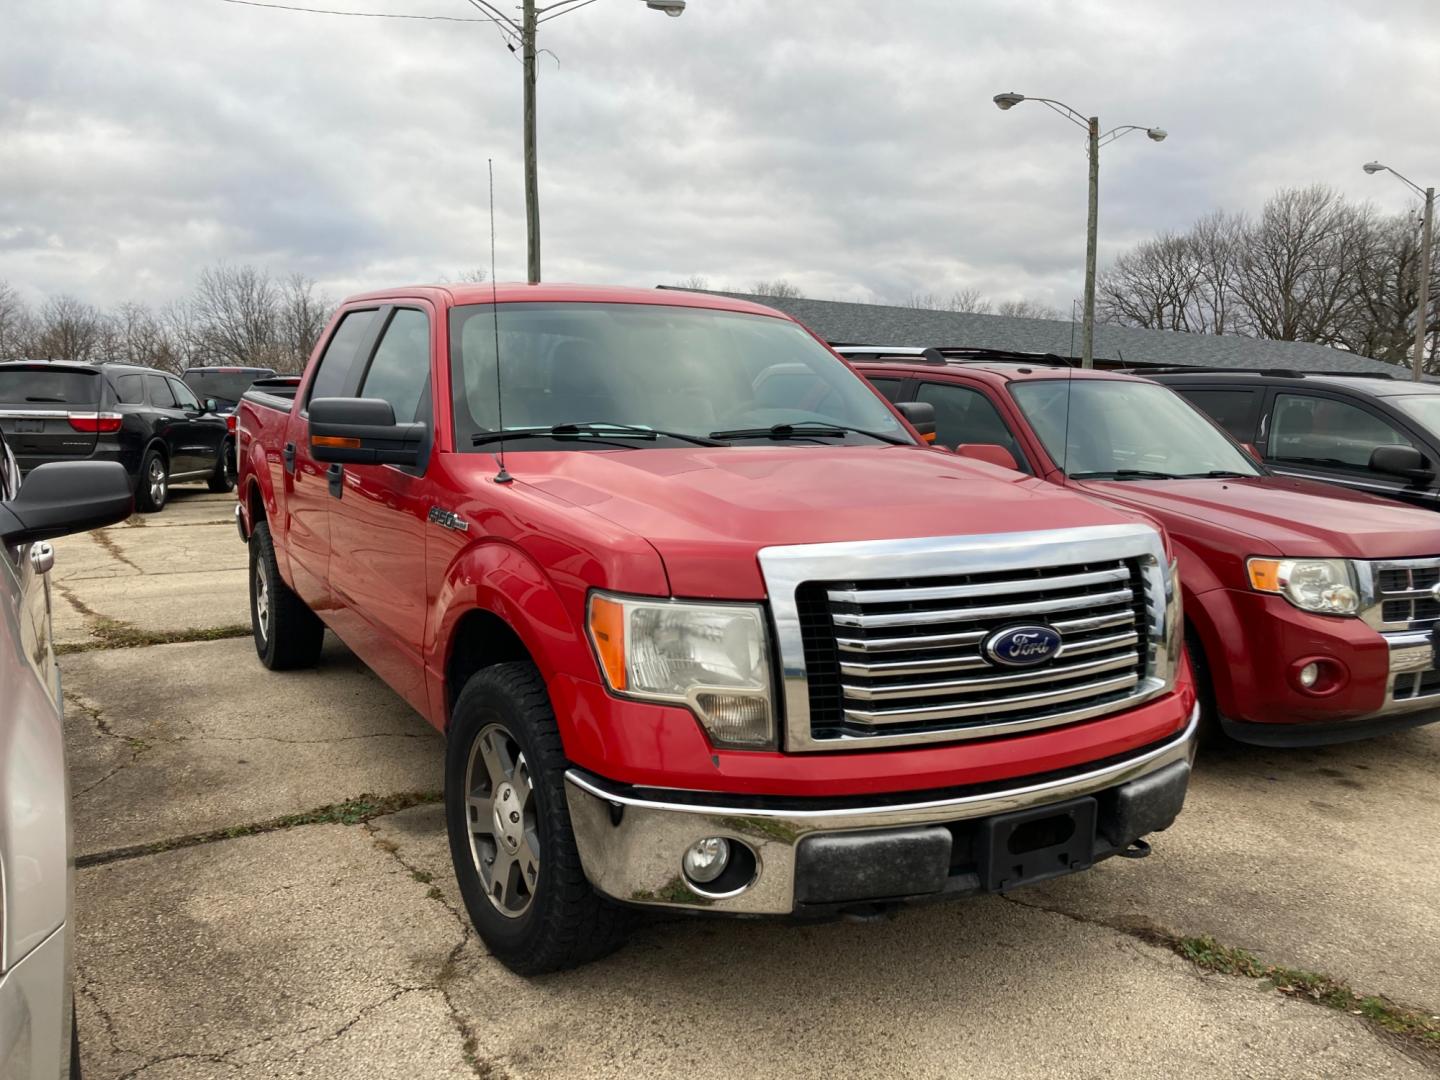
{"points": [[335, 442], [1265, 575], [607, 630]]}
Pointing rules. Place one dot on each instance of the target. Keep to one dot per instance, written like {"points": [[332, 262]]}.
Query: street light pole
{"points": [[1092, 231], [1422, 290], [1422, 309], [1094, 141]]}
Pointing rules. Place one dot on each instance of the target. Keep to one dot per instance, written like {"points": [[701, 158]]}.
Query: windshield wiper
{"points": [[1217, 474], [1124, 474], [600, 432], [806, 429]]}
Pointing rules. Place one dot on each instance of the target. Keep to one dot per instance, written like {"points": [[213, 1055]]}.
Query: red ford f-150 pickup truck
{"points": [[705, 624], [1310, 611]]}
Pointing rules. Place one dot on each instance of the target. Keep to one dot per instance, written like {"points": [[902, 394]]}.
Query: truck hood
{"points": [[1283, 516], [709, 511]]}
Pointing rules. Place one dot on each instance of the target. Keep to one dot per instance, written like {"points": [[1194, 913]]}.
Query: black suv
{"points": [[147, 420], [1372, 434]]}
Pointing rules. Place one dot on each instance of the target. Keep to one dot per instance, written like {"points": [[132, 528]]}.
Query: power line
{"points": [[357, 14]]}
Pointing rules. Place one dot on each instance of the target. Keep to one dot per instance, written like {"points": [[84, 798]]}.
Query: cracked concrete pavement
{"points": [[330, 950]]}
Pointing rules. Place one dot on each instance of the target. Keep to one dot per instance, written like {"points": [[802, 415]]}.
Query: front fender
{"points": [[498, 577]]}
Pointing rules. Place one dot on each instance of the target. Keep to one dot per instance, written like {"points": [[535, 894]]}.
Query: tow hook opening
{"points": [[1138, 849]]}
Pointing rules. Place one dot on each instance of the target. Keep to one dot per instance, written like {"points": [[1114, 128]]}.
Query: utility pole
{"points": [[532, 178], [1092, 230], [1422, 309]]}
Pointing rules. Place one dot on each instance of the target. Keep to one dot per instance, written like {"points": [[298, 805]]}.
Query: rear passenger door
{"points": [[378, 522], [171, 423], [308, 484], [1328, 437]]}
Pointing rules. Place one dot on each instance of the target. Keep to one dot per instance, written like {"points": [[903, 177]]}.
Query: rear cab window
{"points": [[333, 378]]}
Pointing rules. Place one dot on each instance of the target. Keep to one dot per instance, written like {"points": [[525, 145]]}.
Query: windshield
{"points": [[1118, 427], [1422, 407], [225, 386], [39, 385], [700, 374]]}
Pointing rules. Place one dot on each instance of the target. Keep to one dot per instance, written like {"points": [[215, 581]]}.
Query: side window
{"points": [[160, 395], [889, 387], [333, 376], [400, 370], [130, 390], [183, 395], [1324, 431], [1234, 410], [963, 415]]}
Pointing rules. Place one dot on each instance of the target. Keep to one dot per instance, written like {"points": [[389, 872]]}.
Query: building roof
{"points": [[842, 323]]}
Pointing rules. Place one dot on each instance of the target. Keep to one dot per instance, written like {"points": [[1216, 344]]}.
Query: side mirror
{"points": [[362, 431], [921, 415], [210, 404], [1399, 461], [994, 453], [66, 497]]}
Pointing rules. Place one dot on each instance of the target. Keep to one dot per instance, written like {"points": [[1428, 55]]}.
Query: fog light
{"points": [[1309, 675], [706, 859]]}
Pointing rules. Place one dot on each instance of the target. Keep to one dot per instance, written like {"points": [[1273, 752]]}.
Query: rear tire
{"points": [[152, 487], [504, 752], [288, 635], [223, 478]]}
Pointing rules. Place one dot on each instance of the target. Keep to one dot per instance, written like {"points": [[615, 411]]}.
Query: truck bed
{"points": [[277, 393]]}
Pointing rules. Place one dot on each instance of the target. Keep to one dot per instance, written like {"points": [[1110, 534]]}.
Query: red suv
{"points": [[1309, 610]]}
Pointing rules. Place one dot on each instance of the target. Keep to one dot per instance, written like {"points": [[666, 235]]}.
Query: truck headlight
{"points": [[712, 657], [1326, 586]]}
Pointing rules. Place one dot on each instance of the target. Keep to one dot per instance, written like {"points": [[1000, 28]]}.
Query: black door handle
{"points": [[289, 456], [335, 476]]}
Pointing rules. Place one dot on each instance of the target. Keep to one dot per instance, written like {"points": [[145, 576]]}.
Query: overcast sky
{"points": [[849, 147]]}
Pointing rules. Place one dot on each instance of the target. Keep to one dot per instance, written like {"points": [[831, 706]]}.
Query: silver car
{"points": [[37, 1032]]}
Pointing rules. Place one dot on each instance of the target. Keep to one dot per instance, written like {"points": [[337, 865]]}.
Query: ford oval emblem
{"points": [[1023, 646]]}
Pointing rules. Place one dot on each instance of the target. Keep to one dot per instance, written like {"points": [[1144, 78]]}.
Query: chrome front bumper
{"points": [[1412, 654], [631, 848]]}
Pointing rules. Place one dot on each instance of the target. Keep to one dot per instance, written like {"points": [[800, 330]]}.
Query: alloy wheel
{"points": [[262, 600], [500, 808], [157, 481]]}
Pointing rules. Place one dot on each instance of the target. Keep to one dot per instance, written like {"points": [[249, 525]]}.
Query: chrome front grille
{"points": [[893, 650], [1400, 594]]}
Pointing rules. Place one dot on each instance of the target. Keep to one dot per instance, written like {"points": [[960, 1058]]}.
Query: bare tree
{"points": [[780, 289], [15, 328], [1157, 286], [695, 282], [301, 318], [236, 313], [965, 300], [67, 329], [134, 334], [476, 275], [1025, 309]]}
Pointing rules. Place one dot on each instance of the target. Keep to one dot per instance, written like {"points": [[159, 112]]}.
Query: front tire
{"points": [[223, 478], [152, 489], [514, 852], [288, 635]]}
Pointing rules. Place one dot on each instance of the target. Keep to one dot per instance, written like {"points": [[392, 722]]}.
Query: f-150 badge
{"points": [[449, 519]]}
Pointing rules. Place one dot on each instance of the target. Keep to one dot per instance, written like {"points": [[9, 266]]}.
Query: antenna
{"points": [[502, 476]]}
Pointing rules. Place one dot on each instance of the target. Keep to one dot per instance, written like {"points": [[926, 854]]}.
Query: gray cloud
{"points": [[850, 147]]}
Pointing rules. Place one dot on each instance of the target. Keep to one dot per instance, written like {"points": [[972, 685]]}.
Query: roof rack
{"points": [[949, 355], [1274, 373]]}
